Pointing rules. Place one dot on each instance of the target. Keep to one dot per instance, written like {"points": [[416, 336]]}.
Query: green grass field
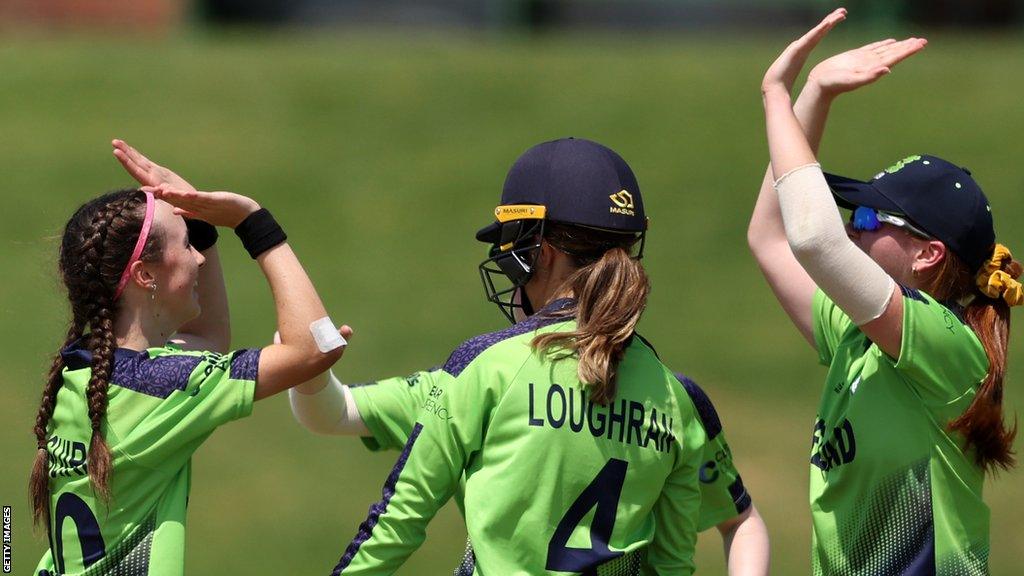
{"points": [[382, 153]]}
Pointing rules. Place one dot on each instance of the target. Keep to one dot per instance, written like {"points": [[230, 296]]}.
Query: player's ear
{"points": [[547, 255], [929, 255], [141, 275]]}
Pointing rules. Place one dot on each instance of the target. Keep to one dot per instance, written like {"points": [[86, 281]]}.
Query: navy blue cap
{"points": [[578, 182], [939, 197]]}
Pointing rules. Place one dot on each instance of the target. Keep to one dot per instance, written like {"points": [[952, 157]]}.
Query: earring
{"points": [[152, 291], [913, 271]]}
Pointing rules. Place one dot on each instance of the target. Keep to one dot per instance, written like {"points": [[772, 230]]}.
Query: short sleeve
{"points": [[723, 495], [200, 391], [830, 323], [940, 355], [389, 407]]}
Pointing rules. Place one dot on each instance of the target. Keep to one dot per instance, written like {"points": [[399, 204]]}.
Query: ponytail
{"points": [[611, 293], [987, 298]]}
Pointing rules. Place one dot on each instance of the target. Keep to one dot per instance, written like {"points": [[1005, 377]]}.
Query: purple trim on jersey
{"points": [[245, 364], [136, 371], [705, 409], [912, 293], [162, 375], [740, 496], [473, 347], [379, 508], [154, 377], [713, 427], [411, 380], [75, 357]]}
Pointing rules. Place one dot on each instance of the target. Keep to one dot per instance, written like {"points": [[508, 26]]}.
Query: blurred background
{"points": [[379, 133]]}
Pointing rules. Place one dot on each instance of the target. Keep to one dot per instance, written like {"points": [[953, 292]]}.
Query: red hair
{"points": [[982, 424]]}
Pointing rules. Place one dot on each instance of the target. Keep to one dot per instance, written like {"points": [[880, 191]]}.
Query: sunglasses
{"points": [[869, 219]]}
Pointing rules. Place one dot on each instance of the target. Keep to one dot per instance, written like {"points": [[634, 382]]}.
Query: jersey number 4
{"points": [[603, 492]]}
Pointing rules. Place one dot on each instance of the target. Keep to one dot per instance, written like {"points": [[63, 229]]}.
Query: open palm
{"points": [[783, 72], [862, 66], [144, 170], [218, 208]]}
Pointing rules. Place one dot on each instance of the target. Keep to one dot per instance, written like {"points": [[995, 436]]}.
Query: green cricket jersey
{"points": [[892, 491], [389, 408], [162, 404], [554, 484]]}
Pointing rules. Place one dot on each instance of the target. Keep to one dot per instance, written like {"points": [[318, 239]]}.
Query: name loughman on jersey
{"points": [[625, 421]]}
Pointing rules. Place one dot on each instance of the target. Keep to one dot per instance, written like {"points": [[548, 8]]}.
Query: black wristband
{"points": [[201, 235], [259, 232]]}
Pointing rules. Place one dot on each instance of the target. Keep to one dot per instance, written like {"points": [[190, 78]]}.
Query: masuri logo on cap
{"points": [[520, 212], [574, 179], [623, 201]]}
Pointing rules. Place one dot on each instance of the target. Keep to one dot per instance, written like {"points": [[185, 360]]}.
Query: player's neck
{"points": [[548, 284], [139, 328]]}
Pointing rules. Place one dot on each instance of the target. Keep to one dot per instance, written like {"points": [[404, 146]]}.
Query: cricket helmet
{"points": [[568, 181]]}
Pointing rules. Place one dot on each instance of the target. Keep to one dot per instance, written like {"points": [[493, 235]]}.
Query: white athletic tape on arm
{"points": [[332, 410], [817, 236], [326, 335]]}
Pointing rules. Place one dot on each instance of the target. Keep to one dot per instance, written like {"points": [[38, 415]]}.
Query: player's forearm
{"points": [[766, 221], [295, 298], [818, 239], [746, 545], [327, 408], [788, 147], [298, 357], [811, 110]]}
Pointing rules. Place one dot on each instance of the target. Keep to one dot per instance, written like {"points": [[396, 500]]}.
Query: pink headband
{"points": [[147, 223]]}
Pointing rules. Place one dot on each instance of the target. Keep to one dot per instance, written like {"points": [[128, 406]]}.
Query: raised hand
{"points": [[145, 171], [783, 72], [862, 66], [218, 208]]}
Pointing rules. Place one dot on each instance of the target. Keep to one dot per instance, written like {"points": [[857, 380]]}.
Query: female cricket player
{"points": [[384, 412], [532, 427], [909, 307], [144, 376]]}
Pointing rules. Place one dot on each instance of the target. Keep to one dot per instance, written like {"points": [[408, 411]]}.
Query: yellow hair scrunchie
{"points": [[995, 283]]}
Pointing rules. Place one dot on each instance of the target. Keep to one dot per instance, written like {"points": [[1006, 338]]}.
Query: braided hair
{"points": [[97, 243]]}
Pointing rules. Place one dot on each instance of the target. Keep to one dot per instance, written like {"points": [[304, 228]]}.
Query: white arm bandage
{"points": [[332, 410], [855, 282]]}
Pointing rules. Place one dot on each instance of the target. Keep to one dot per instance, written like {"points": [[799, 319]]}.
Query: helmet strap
{"points": [[524, 302]]}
